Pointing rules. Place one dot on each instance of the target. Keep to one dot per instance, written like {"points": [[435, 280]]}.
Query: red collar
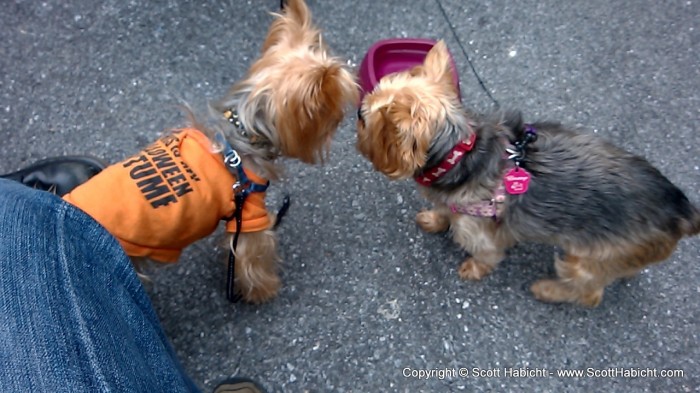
{"points": [[451, 159]]}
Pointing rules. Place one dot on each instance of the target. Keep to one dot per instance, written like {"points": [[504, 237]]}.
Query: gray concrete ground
{"points": [[367, 297]]}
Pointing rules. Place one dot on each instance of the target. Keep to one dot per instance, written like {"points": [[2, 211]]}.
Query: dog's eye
{"points": [[360, 117]]}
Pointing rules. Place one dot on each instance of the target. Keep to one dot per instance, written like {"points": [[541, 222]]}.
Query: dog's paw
{"points": [[550, 291], [262, 293], [471, 269], [432, 222], [555, 291], [258, 296]]}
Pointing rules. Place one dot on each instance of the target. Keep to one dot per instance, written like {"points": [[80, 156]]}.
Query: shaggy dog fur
{"points": [[610, 211]]}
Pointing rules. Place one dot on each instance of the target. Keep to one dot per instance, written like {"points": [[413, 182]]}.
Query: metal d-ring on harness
{"points": [[241, 189]]}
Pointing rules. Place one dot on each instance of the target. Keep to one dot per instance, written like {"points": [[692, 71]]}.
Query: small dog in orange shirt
{"points": [[177, 190]]}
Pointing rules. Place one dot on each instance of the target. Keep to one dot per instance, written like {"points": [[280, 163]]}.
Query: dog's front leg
{"points": [[434, 221], [480, 237], [257, 277]]}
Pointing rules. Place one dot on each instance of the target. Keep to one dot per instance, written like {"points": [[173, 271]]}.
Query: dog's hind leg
{"points": [[580, 281], [584, 274]]}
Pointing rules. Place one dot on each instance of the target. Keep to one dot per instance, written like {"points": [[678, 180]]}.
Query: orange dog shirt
{"points": [[168, 196]]}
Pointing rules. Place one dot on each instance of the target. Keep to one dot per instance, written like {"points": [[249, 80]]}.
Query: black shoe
{"points": [[239, 385], [58, 175]]}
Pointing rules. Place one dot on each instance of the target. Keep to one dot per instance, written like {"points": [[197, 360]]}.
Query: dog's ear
{"points": [[437, 63], [294, 25], [398, 139]]}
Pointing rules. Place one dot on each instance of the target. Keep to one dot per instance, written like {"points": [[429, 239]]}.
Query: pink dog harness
{"points": [[491, 208], [515, 181]]}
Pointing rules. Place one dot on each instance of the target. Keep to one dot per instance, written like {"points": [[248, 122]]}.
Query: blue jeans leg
{"points": [[73, 314]]}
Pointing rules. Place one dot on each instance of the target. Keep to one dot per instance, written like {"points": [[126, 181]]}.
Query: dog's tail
{"points": [[690, 226]]}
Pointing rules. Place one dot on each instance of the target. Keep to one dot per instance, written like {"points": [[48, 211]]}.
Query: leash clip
{"points": [[518, 150], [515, 153], [241, 189]]}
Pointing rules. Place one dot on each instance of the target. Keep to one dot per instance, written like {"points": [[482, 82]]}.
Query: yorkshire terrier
{"points": [[495, 181], [177, 190]]}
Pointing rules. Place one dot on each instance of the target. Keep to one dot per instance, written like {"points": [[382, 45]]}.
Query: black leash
{"points": [[239, 199], [282, 210], [464, 51], [241, 189], [231, 293]]}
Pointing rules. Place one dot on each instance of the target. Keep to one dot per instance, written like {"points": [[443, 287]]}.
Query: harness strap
{"points": [[231, 294], [241, 189]]}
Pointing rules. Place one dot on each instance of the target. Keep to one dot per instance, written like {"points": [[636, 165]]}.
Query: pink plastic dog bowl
{"points": [[394, 55]]}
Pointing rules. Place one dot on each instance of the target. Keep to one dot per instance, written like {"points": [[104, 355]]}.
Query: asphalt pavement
{"points": [[369, 300]]}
